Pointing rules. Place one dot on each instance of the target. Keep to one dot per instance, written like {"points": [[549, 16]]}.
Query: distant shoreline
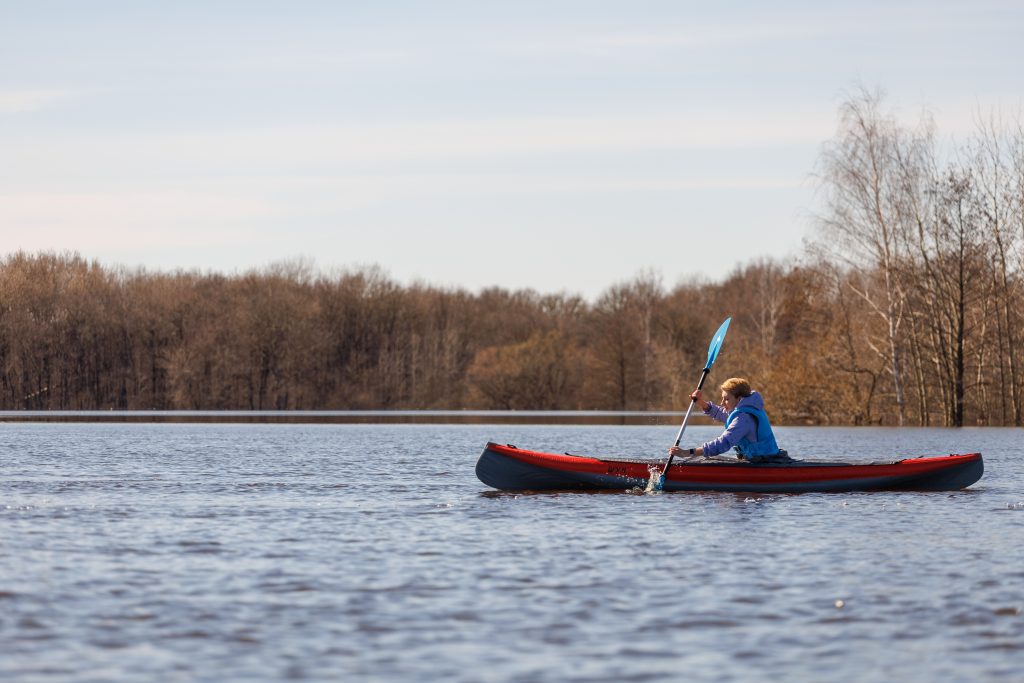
{"points": [[554, 417]]}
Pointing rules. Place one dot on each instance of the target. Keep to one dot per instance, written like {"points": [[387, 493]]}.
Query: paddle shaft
{"points": [[713, 349], [682, 427]]}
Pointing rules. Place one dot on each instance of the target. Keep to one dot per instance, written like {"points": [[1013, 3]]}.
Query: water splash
{"points": [[653, 476]]}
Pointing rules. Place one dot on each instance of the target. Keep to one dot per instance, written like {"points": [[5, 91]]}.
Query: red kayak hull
{"points": [[514, 469]]}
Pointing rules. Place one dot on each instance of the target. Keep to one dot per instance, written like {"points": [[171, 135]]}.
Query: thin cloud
{"points": [[838, 22], [299, 198], [368, 189], [616, 43], [356, 144], [112, 219], [23, 101], [318, 61]]}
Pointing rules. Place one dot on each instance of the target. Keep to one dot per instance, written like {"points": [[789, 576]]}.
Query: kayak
{"points": [[514, 469]]}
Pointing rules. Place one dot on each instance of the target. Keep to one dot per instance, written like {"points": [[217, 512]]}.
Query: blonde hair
{"points": [[737, 386]]}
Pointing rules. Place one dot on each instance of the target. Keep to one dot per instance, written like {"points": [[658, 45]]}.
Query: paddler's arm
{"points": [[710, 409], [677, 452]]}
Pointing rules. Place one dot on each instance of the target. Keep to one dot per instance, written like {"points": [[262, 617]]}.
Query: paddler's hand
{"points": [[701, 403], [676, 452]]}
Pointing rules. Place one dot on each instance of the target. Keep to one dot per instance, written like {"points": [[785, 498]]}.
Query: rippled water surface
{"points": [[204, 552]]}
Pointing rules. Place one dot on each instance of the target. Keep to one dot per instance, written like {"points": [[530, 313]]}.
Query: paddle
{"points": [[713, 349]]}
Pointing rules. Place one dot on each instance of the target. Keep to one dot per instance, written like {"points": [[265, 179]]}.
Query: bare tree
{"points": [[994, 198], [864, 220]]}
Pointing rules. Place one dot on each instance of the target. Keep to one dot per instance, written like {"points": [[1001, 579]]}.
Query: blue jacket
{"points": [[748, 430]]}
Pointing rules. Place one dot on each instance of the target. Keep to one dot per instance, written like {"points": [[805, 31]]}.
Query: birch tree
{"points": [[995, 198], [862, 223]]}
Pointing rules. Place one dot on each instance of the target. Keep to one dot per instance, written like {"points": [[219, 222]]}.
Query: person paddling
{"points": [[747, 428]]}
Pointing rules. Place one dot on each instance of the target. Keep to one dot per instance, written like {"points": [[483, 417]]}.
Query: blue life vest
{"points": [[765, 446]]}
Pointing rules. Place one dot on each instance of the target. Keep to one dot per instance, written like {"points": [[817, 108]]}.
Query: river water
{"points": [[362, 552]]}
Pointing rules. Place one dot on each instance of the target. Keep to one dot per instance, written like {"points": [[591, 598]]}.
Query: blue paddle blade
{"points": [[716, 343]]}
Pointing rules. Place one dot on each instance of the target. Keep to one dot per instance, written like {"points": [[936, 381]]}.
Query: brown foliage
{"points": [[542, 373]]}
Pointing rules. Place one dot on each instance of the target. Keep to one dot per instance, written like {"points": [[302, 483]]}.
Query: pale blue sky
{"points": [[562, 146]]}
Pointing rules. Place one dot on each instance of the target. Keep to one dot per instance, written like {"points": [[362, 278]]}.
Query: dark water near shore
{"points": [[268, 552]]}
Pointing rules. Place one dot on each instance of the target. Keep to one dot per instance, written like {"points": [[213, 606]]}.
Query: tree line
{"points": [[906, 308]]}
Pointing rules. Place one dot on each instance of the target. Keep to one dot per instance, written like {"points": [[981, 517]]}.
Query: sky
{"points": [[564, 146]]}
